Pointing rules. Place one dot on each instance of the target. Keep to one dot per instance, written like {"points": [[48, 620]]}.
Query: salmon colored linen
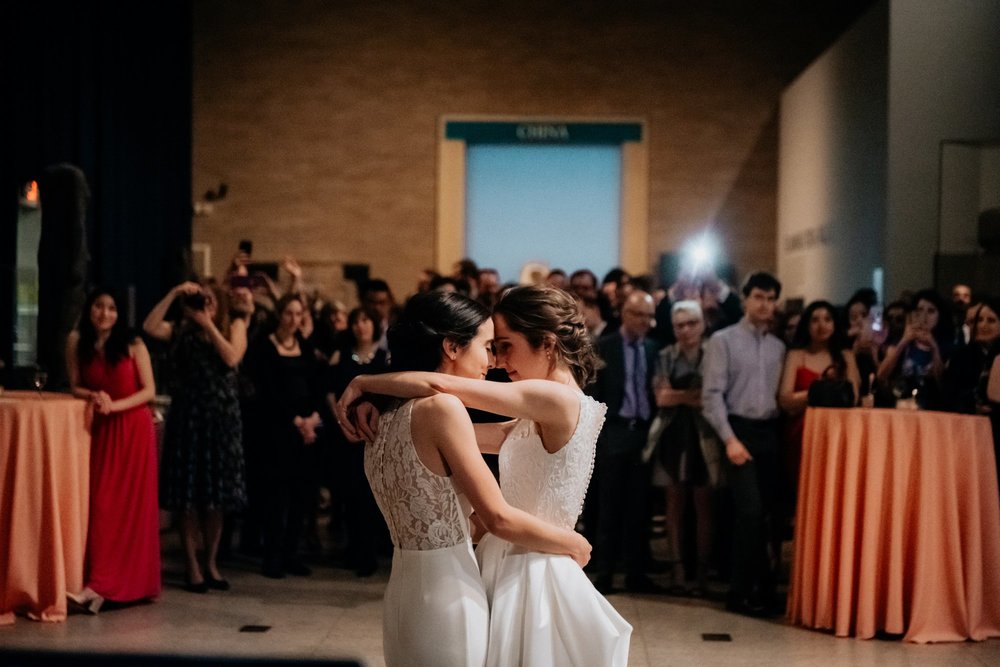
{"points": [[898, 526], [44, 482]]}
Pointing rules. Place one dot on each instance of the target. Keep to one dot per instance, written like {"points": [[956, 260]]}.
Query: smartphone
{"points": [[195, 301], [879, 332], [876, 317], [246, 245], [241, 281]]}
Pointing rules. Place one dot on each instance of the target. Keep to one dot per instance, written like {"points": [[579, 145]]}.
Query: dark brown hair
{"points": [[540, 312]]}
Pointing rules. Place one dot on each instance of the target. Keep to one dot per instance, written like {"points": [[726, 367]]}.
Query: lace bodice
{"points": [[551, 486], [421, 508]]}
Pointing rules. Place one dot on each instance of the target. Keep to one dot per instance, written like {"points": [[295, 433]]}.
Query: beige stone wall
{"points": [[321, 117]]}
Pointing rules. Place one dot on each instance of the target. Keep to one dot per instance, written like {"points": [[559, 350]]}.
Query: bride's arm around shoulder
{"points": [[538, 400], [442, 421]]}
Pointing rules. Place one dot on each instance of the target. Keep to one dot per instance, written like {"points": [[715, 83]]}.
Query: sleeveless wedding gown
{"points": [[543, 609], [435, 609]]}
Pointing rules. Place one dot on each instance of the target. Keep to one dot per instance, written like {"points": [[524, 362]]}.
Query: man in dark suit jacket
{"points": [[624, 385]]}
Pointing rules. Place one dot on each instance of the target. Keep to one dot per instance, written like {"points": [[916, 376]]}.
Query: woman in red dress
{"points": [[111, 369], [818, 345]]}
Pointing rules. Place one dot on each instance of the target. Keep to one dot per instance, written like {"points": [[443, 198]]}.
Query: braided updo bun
{"points": [[415, 341], [541, 313]]}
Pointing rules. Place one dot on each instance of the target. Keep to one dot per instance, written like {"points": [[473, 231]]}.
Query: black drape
{"points": [[104, 86]]}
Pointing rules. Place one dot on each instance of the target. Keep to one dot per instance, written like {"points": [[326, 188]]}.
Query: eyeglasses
{"points": [[637, 313], [686, 324]]}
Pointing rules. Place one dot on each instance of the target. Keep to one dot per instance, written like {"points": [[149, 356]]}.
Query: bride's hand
{"points": [[581, 550], [343, 411], [477, 528], [345, 420], [365, 420]]}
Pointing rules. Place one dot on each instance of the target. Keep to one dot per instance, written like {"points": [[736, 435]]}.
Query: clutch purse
{"points": [[830, 393]]}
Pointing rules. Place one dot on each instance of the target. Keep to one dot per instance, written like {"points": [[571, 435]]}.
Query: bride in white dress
{"points": [[544, 610], [421, 467]]}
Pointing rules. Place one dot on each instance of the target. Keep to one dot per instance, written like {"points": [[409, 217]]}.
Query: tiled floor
{"points": [[333, 614]]}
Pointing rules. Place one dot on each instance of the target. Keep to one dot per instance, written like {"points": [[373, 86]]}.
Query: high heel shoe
{"points": [[85, 604], [200, 587]]}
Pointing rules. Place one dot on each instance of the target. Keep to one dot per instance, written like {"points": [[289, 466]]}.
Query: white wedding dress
{"points": [[543, 609], [435, 610]]}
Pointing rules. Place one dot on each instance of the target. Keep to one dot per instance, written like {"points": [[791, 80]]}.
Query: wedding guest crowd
{"points": [[706, 384]]}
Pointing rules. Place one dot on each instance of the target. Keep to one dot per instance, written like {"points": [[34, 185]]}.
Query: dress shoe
{"points": [[643, 584], [200, 587], [85, 604], [216, 584]]}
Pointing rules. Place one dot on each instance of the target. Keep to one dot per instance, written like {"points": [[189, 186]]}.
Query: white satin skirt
{"points": [[545, 612], [435, 611]]}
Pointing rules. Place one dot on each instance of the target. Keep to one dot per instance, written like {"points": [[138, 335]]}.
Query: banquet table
{"points": [[44, 483], [898, 526]]}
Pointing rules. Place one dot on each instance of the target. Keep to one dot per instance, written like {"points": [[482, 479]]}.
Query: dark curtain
{"points": [[106, 87]]}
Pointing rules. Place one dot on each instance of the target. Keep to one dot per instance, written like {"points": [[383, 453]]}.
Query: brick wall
{"points": [[321, 117]]}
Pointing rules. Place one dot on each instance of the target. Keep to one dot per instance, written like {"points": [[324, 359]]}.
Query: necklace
{"points": [[282, 345], [363, 358]]}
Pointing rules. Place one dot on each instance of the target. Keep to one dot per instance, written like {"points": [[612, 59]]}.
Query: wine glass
{"points": [[40, 378]]}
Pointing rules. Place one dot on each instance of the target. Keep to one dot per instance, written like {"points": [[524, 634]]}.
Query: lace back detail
{"points": [[421, 508], [551, 486]]}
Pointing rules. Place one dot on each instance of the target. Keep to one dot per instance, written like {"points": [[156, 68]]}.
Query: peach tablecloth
{"points": [[898, 526], [44, 485]]}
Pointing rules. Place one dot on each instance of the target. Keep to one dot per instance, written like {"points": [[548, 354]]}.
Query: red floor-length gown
{"points": [[123, 539], [804, 377]]}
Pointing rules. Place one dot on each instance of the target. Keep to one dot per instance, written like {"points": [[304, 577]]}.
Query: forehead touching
{"points": [[486, 329]]}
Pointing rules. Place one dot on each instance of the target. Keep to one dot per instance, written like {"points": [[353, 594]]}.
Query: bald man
{"points": [[622, 478]]}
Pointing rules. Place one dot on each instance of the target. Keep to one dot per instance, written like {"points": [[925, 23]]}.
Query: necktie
{"points": [[639, 381]]}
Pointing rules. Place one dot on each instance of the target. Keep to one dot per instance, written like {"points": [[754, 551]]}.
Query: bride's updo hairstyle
{"points": [[429, 319], [541, 313]]}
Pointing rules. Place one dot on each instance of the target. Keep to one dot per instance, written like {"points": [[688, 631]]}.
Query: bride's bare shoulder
{"points": [[438, 406]]}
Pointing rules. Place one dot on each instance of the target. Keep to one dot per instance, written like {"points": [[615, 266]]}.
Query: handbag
{"points": [[829, 392]]}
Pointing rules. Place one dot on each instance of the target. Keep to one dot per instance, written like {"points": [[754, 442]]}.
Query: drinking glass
{"points": [[40, 378]]}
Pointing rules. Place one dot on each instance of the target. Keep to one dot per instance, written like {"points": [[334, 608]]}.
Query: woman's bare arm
{"points": [[147, 390], [791, 401], [490, 436], [443, 421], [543, 401]]}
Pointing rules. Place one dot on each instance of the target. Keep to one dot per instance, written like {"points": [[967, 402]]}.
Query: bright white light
{"points": [[700, 252]]}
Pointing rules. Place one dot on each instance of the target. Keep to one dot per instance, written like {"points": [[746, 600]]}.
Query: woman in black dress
{"points": [[284, 370], [202, 474], [969, 367], [364, 525]]}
